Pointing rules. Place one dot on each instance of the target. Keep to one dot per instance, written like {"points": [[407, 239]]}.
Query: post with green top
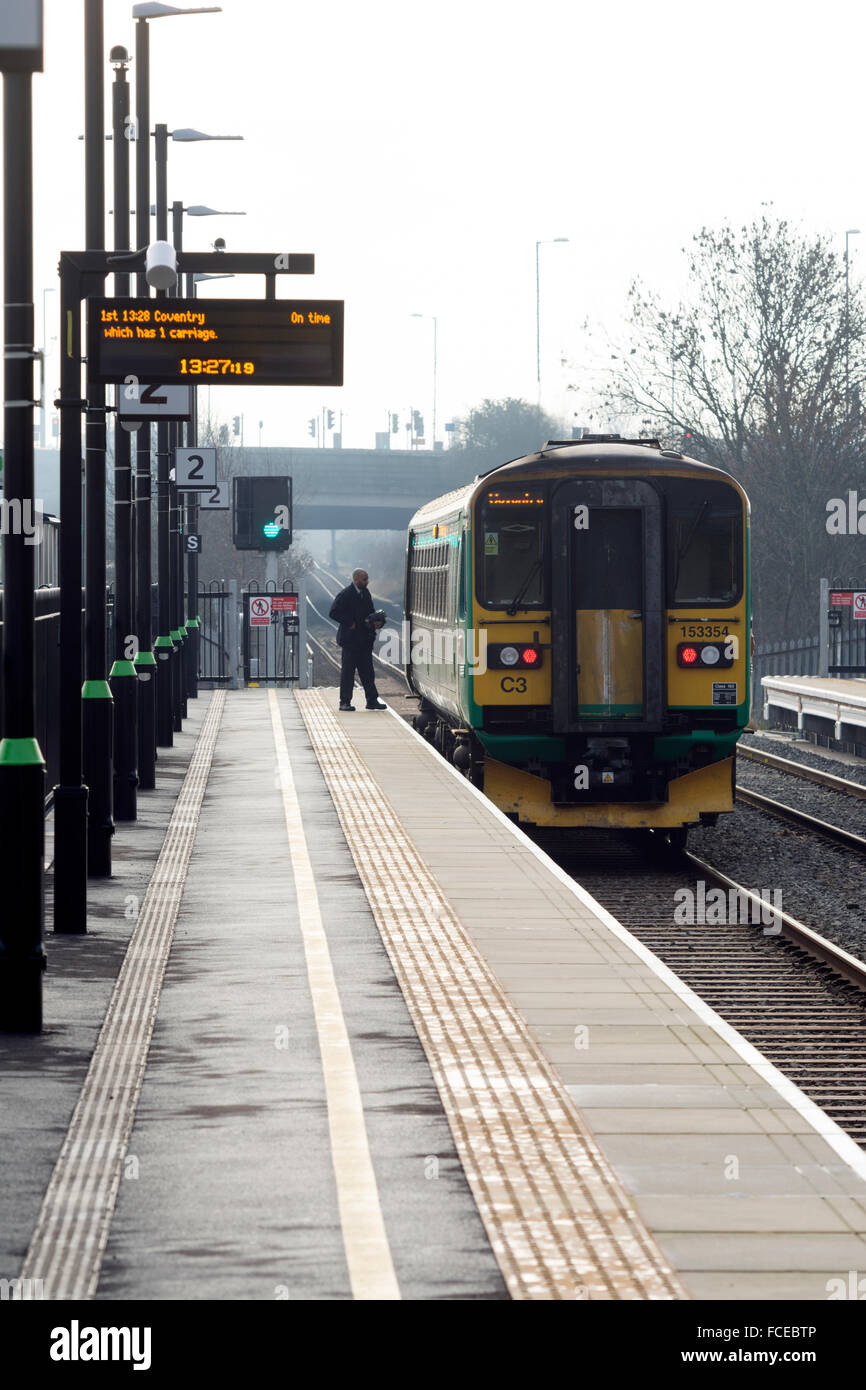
{"points": [[22, 767], [98, 703]]}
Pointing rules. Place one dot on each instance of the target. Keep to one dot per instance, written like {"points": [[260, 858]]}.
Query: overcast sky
{"points": [[421, 151]]}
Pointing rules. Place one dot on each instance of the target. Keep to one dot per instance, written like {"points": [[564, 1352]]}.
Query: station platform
{"points": [[344, 1032], [822, 704]]}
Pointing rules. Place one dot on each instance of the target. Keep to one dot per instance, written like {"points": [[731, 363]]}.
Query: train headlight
{"points": [[509, 656], [710, 656]]}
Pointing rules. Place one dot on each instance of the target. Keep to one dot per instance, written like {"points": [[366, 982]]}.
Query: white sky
{"points": [[421, 151]]}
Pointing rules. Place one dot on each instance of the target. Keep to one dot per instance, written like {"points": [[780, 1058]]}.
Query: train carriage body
{"points": [[579, 634]]}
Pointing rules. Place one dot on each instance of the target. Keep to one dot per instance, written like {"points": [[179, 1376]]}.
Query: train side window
{"points": [[461, 578]]}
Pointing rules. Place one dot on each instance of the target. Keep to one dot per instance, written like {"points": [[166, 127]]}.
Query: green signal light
{"points": [[271, 529]]}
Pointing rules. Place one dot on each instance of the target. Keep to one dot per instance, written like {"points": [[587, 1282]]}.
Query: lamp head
{"points": [[160, 265]]}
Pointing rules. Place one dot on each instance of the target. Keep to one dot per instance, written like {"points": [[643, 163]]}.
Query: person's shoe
{"points": [[378, 705], [346, 707]]}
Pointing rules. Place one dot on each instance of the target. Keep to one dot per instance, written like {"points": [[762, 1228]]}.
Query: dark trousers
{"points": [[358, 659]]}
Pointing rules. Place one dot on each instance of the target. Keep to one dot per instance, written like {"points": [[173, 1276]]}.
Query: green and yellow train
{"points": [[579, 634]]}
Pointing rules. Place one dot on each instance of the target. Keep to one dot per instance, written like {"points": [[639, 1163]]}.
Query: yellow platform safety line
{"points": [[368, 1255], [560, 1224]]}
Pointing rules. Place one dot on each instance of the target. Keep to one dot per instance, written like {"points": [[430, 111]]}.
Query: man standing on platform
{"points": [[353, 610]]}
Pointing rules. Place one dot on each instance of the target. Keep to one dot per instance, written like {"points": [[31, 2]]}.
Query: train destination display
{"points": [[254, 342]]}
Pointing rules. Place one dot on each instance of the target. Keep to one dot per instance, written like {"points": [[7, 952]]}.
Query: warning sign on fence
{"points": [[260, 610]]}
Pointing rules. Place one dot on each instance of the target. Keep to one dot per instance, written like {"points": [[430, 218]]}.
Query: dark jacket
{"points": [[349, 609]]}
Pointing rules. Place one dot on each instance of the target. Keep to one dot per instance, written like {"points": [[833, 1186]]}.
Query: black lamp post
{"points": [[22, 767], [126, 642], [98, 703], [146, 662]]}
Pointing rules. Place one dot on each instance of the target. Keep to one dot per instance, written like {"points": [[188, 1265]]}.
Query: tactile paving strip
{"points": [[72, 1230], [558, 1220]]}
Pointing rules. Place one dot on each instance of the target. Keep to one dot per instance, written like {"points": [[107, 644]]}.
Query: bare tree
{"points": [[761, 373]]}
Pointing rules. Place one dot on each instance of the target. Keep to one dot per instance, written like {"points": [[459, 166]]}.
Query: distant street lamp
{"points": [[435, 357], [853, 231], [549, 242]]}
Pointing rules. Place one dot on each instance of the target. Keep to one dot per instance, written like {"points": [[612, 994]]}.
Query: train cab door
{"points": [[607, 606]]}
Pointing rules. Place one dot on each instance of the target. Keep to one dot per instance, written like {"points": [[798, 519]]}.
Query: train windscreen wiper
{"points": [[513, 605], [690, 535]]}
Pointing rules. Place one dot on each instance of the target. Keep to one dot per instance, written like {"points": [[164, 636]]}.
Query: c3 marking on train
{"points": [[513, 685]]}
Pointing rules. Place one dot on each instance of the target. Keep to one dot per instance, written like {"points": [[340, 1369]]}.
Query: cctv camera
{"points": [[160, 266], [220, 244]]}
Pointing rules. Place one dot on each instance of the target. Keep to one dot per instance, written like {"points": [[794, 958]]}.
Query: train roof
{"points": [[573, 455]]}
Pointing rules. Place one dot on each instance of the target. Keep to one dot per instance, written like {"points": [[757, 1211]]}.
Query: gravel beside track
{"points": [[836, 808], [801, 751], [821, 884]]}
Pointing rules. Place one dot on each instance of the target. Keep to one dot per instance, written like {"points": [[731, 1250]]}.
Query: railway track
{"points": [[795, 996], [793, 815], [809, 774]]}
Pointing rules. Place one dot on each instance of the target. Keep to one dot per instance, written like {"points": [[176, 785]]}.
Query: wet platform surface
{"points": [[394, 1052]]}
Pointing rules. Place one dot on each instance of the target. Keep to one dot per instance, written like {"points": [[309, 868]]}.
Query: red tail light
{"points": [[688, 656], [529, 656]]}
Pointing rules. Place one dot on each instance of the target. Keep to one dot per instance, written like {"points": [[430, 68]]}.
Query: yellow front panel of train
{"points": [[610, 663], [514, 687], [716, 685]]}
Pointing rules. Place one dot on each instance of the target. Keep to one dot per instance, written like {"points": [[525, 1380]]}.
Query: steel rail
{"points": [[801, 819], [823, 779]]}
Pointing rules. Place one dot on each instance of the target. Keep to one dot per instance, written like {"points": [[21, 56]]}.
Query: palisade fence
{"points": [[798, 657], [802, 657]]}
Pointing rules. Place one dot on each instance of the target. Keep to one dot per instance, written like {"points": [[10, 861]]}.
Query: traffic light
{"points": [[236, 425], [224, 434], [330, 415], [262, 513], [395, 424], [417, 422], [311, 427]]}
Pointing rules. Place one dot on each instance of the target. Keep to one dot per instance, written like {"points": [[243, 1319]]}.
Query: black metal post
{"points": [[192, 524], [145, 661], [126, 642], [164, 645], [180, 634], [98, 713], [22, 767], [70, 797]]}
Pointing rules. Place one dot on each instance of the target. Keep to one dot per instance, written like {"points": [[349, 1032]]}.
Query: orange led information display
{"points": [[260, 342]]}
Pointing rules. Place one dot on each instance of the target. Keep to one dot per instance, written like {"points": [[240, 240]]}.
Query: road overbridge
{"points": [[356, 489]]}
